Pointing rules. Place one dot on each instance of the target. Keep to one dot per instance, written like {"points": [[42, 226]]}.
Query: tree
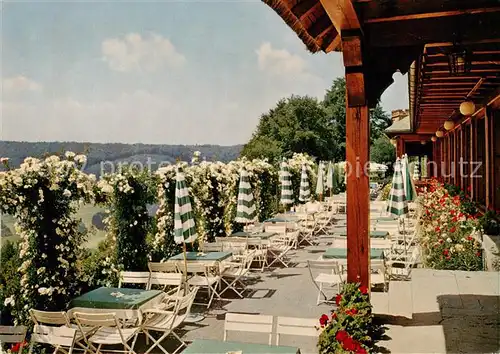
{"points": [[382, 151], [296, 124], [334, 103]]}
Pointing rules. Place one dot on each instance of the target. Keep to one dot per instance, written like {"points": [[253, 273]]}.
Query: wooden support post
{"points": [[455, 158], [488, 154], [473, 158], [461, 159], [357, 156]]}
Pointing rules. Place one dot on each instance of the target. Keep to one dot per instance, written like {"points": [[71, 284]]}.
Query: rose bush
{"points": [[449, 236], [43, 195], [350, 328]]}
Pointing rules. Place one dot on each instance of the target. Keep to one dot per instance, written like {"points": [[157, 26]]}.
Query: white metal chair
{"points": [[295, 326], [248, 323], [58, 319], [171, 284], [212, 247], [13, 335], [109, 331], [399, 267], [236, 245], [235, 273], [167, 321], [61, 338], [259, 249], [133, 278], [332, 277], [166, 267], [204, 276], [279, 247]]}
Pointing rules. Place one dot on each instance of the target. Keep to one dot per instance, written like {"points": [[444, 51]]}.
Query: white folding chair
{"points": [[171, 284], [235, 273], [109, 331], [236, 245], [248, 323], [259, 249], [212, 247], [58, 319], [133, 278], [167, 321], [13, 335], [295, 326], [279, 247], [61, 338], [204, 276], [332, 277], [166, 267], [399, 266]]}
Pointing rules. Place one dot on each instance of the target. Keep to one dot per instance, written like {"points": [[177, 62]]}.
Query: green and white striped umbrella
{"points": [[416, 170], [245, 210], [305, 191], [320, 188], [407, 181], [398, 205], [286, 184], [184, 225], [331, 178]]}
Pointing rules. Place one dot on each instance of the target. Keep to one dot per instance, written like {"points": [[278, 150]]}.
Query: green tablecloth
{"points": [[385, 218], [262, 235], [102, 299], [341, 253], [283, 218], [373, 234], [210, 256], [205, 346]]}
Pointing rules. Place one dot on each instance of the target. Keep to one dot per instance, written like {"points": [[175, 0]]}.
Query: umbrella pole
{"points": [[185, 268]]}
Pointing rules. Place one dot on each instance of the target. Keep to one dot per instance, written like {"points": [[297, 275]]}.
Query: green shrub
{"points": [[9, 283], [384, 195]]}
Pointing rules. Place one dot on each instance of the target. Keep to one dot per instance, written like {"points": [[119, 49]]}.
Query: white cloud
{"points": [[20, 84], [136, 53], [279, 61]]}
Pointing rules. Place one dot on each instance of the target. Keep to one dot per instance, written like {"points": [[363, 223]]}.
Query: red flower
{"points": [[334, 316], [446, 252], [453, 229], [338, 298], [478, 254], [437, 229], [469, 188], [441, 240], [323, 320], [455, 219], [341, 336], [469, 238], [17, 347], [349, 344], [364, 290], [351, 312]]}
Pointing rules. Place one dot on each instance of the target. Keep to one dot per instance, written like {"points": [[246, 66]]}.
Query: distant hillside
{"points": [[104, 156]]}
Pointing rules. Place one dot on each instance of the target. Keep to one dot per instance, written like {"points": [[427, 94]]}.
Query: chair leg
{"points": [[157, 343]]}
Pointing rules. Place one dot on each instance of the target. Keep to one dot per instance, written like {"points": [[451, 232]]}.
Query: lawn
{"points": [[85, 213]]}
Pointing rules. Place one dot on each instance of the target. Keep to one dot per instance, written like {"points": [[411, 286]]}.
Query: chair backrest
{"points": [[55, 336], [295, 326], [133, 278], [234, 244], [183, 306], [212, 247], [197, 268], [278, 228], [166, 267], [12, 335], [87, 319], [165, 279], [332, 266], [248, 323], [49, 317]]}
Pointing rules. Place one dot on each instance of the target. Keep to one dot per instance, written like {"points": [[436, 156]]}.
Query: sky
{"points": [[185, 72]]}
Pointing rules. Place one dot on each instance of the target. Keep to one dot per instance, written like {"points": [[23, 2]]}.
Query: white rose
{"points": [[67, 193], [9, 301], [69, 154]]}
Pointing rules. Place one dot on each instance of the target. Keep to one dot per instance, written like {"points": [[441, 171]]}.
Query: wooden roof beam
{"points": [[434, 15], [342, 14], [476, 87]]}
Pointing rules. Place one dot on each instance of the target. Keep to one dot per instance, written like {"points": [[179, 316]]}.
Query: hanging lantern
{"points": [[459, 61], [467, 108], [394, 141], [439, 134], [449, 125], [434, 139], [423, 142]]}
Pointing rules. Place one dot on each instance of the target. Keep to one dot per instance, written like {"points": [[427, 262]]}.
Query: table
{"points": [[341, 253], [283, 218], [102, 298], [261, 235], [126, 307], [373, 234], [206, 257], [202, 346]]}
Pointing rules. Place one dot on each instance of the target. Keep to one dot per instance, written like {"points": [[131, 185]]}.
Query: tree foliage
{"points": [[304, 125], [382, 151]]}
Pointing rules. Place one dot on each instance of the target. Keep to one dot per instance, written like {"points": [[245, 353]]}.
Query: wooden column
{"points": [[357, 156], [473, 157], [461, 158], [488, 154], [455, 157], [449, 154]]}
